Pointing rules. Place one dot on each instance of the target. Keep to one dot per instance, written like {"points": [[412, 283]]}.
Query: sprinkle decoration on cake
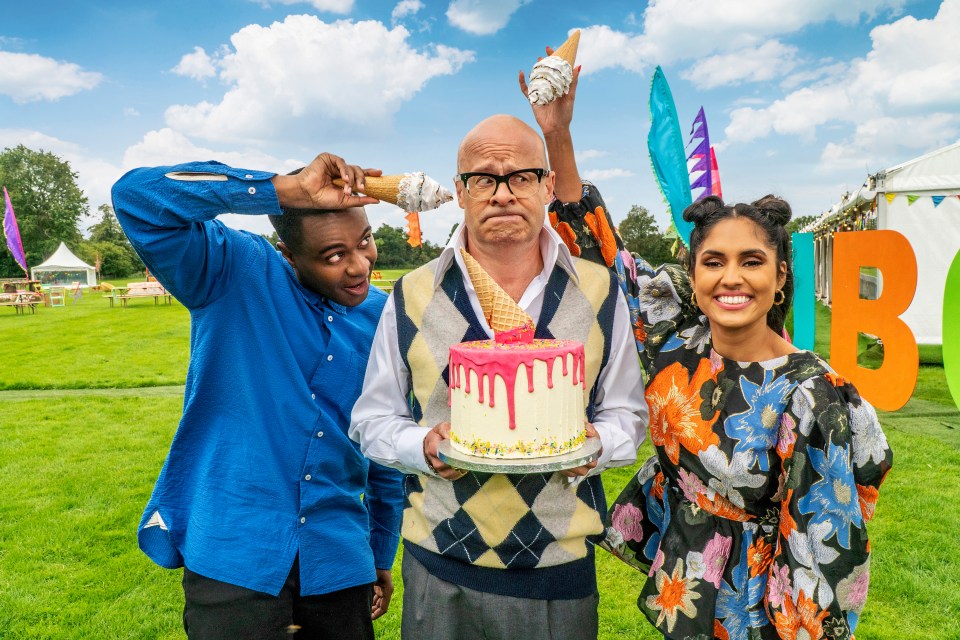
{"points": [[499, 412]]}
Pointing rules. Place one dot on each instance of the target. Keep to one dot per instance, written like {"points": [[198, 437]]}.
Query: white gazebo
{"points": [[920, 199], [64, 268]]}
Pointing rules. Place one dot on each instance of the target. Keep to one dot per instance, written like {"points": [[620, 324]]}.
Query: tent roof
{"points": [[63, 260], [936, 171]]}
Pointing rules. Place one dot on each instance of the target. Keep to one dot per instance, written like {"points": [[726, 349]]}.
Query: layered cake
{"points": [[514, 396]]}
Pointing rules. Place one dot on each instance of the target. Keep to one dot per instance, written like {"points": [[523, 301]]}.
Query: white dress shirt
{"points": [[382, 421]]}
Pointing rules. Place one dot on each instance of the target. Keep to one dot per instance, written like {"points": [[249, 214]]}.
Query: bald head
{"points": [[500, 137]]}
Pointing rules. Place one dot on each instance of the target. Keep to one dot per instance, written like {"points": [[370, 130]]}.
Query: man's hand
{"points": [[556, 116], [430, 444], [584, 469], [313, 187], [382, 592]]}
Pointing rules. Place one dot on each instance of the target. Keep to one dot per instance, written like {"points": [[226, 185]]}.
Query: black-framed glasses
{"points": [[521, 183]]}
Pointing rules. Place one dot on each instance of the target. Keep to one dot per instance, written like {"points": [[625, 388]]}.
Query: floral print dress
{"points": [[750, 520]]}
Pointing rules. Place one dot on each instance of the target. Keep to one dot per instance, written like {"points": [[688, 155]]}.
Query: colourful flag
{"points": [[715, 188], [12, 233], [413, 229], [701, 156], [937, 200], [665, 144]]}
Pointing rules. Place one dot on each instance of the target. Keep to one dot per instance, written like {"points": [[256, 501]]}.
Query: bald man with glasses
{"points": [[490, 555]]}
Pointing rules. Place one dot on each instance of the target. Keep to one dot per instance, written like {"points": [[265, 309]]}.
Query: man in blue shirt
{"points": [[281, 524]]}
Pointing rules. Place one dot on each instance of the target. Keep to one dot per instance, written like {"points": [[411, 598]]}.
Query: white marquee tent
{"points": [[64, 268], [919, 199]]}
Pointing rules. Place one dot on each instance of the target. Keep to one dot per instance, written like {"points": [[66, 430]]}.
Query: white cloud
{"points": [[94, 176], [911, 70], [27, 77], [342, 7], [131, 112], [678, 30], [684, 29], [308, 74], [166, 147], [405, 8], [482, 17], [589, 154], [601, 47], [749, 64], [884, 137], [197, 65], [597, 175]]}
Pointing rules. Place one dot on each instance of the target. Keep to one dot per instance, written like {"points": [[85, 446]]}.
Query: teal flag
{"points": [[804, 294], [667, 155]]}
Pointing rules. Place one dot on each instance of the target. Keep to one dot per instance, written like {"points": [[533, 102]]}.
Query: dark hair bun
{"points": [[777, 210], [700, 210]]}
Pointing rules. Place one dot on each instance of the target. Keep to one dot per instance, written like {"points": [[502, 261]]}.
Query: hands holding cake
{"points": [[554, 365]]}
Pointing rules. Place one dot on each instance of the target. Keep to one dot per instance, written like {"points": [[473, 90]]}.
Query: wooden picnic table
{"points": [[21, 301], [133, 290]]}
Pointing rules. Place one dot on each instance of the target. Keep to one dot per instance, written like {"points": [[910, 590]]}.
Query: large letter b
{"points": [[890, 386]]}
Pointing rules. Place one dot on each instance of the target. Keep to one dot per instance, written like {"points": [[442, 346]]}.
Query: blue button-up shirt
{"points": [[261, 467]]}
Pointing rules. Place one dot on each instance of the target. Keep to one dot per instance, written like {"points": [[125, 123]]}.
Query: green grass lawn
{"points": [[77, 466]]}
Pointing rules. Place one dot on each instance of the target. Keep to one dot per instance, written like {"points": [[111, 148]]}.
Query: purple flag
{"points": [[12, 232], [701, 155]]}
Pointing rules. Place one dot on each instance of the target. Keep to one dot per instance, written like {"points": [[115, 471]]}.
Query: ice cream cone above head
{"points": [[551, 76], [409, 191], [509, 322]]}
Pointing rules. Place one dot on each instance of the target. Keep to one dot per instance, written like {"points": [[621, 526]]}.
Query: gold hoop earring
{"points": [[693, 299], [783, 297]]}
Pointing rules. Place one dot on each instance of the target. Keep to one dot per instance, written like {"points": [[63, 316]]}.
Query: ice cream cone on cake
{"points": [[409, 191], [500, 310]]}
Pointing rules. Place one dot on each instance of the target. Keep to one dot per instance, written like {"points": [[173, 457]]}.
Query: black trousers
{"points": [[215, 610]]}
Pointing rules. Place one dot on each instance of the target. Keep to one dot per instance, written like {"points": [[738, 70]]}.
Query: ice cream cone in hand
{"points": [[552, 76], [500, 310], [409, 191], [568, 50]]}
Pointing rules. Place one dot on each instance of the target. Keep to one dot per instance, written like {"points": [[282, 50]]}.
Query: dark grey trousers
{"points": [[437, 610]]}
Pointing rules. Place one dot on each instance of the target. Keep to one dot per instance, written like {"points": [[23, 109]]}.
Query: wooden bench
{"points": [[385, 285], [167, 297]]}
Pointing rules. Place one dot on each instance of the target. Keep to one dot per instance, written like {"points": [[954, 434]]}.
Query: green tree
{"points": [[641, 236], [796, 224], [394, 252], [108, 248], [47, 201]]}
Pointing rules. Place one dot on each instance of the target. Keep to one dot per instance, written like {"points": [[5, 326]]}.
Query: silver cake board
{"points": [[586, 454]]}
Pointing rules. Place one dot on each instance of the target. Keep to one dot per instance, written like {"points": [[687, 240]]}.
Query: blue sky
{"points": [[803, 99]]}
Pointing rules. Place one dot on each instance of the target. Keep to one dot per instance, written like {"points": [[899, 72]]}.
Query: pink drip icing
{"points": [[489, 360]]}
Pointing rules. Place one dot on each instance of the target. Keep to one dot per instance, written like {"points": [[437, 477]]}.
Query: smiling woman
{"points": [[751, 517]]}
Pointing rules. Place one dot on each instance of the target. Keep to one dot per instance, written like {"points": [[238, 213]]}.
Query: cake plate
{"points": [[586, 454]]}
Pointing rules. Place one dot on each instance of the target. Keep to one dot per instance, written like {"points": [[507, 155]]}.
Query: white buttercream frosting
{"points": [[420, 192], [550, 79]]}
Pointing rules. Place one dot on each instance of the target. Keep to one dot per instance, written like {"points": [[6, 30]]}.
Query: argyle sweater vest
{"points": [[536, 525]]}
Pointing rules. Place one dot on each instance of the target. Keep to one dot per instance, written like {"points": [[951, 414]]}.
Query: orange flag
{"points": [[413, 229]]}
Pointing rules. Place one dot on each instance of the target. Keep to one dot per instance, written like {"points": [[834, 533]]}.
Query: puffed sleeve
{"points": [[834, 457], [586, 228]]}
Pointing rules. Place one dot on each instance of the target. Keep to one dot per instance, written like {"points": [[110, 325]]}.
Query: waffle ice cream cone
{"points": [[502, 313], [384, 188], [409, 191], [568, 50]]}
